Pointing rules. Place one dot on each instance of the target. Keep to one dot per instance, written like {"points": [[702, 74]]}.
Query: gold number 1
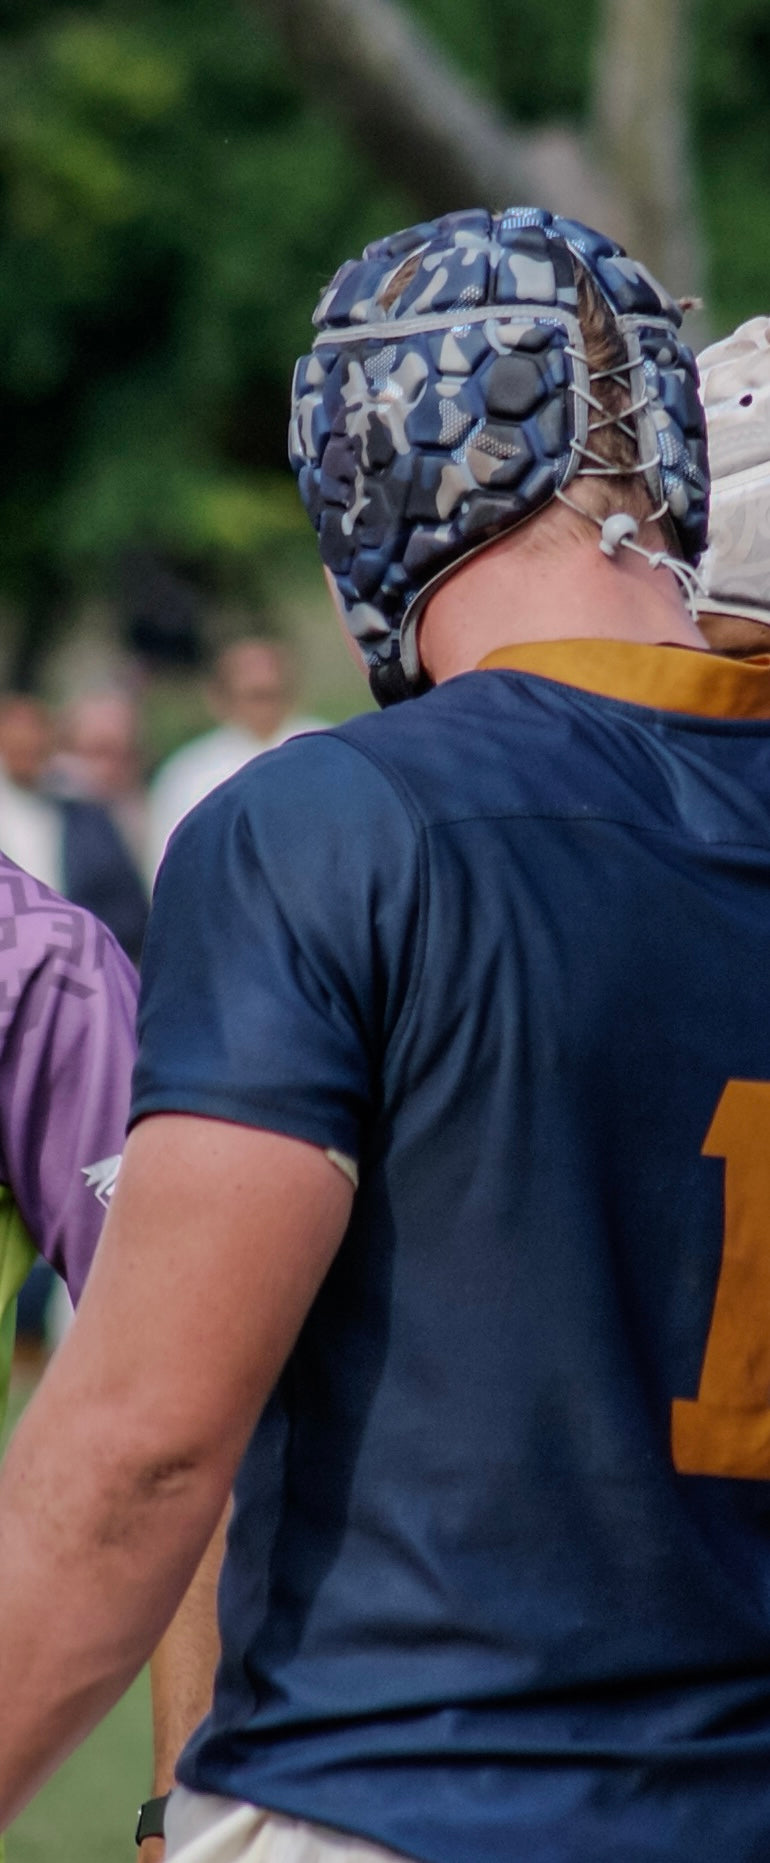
{"points": [[725, 1430]]}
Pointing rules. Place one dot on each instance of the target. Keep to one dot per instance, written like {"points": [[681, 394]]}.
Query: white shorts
{"points": [[203, 1829]]}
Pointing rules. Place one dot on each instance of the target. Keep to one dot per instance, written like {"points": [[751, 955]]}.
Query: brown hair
{"points": [[398, 280], [606, 350]]}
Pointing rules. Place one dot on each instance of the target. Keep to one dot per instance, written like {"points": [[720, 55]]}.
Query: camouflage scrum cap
{"points": [[439, 409]]}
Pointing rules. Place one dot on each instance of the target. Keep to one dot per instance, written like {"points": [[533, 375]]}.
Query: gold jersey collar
{"points": [[669, 679]]}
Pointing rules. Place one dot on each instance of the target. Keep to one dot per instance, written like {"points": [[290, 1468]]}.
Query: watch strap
{"points": [[150, 1820]]}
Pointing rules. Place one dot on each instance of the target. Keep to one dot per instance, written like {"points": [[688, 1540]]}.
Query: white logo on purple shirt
{"points": [[102, 1177]]}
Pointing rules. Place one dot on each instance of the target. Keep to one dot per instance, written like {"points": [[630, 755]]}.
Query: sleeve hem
{"points": [[263, 1115]]}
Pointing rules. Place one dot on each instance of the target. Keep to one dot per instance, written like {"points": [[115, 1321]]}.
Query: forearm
{"points": [[85, 1547], [183, 1665], [121, 1467]]}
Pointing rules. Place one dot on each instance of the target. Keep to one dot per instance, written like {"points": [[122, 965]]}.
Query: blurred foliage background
{"points": [[172, 200]]}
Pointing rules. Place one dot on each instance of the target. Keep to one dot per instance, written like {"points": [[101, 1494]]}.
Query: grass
{"points": [[87, 1811]]}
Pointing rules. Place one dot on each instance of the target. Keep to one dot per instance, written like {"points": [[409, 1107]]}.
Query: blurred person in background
{"points": [[66, 841], [251, 692], [100, 758], [71, 845], [734, 608], [30, 821]]}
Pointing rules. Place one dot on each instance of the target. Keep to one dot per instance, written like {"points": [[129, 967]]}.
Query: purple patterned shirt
{"points": [[67, 1007]]}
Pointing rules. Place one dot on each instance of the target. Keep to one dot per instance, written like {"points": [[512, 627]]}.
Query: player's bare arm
{"points": [[148, 1472]]}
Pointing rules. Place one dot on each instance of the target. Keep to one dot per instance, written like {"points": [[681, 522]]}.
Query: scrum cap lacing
{"points": [[620, 530]]}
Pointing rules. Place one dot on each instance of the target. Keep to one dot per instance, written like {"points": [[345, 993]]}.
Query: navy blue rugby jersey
{"points": [[498, 1582]]}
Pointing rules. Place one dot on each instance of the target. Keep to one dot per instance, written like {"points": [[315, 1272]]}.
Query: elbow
{"points": [[143, 1490]]}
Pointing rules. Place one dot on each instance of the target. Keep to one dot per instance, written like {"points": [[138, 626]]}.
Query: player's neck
{"points": [[508, 595]]}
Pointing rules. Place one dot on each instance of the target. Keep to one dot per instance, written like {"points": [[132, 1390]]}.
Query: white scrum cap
{"points": [[735, 389]]}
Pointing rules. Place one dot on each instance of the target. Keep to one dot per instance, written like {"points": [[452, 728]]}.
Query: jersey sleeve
{"points": [[280, 950], [67, 1042]]}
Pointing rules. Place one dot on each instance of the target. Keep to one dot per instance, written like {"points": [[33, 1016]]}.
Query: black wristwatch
{"points": [[150, 1820]]}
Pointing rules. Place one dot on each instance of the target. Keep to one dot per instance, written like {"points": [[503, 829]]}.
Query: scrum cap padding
{"points": [[439, 409]]}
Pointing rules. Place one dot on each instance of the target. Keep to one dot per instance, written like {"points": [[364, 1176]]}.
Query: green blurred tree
{"points": [[179, 177], [169, 203], [731, 104], [595, 119]]}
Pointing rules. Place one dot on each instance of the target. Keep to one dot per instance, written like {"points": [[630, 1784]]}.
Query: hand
{"points": [[153, 1850]]}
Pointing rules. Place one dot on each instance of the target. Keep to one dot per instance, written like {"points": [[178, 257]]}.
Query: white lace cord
{"points": [[688, 578], [622, 418], [620, 530], [597, 466]]}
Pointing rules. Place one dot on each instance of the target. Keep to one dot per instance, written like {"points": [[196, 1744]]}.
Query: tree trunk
{"points": [[416, 117], [639, 133]]}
